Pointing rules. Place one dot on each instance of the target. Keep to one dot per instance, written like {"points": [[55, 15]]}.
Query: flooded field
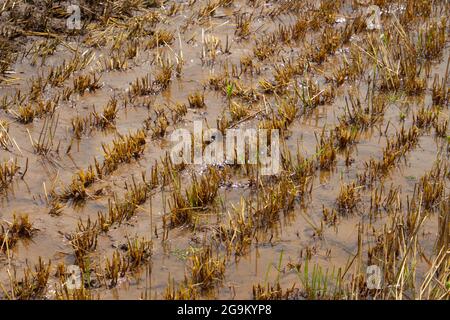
{"points": [[94, 206]]}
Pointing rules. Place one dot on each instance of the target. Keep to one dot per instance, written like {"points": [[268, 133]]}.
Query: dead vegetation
{"points": [[360, 111], [8, 170], [33, 285], [123, 149], [197, 100], [19, 228], [197, 197]]}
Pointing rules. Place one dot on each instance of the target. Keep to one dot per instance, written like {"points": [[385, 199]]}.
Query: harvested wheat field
{"points": [[95, 203]]}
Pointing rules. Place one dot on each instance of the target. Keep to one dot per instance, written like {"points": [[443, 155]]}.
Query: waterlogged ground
{"points": [[308, 232]]}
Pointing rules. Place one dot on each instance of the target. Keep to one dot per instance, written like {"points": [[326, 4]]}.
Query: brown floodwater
{"points": [[284, 244]]}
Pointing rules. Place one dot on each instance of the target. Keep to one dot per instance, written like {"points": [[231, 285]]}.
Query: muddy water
{"points": [[294, 234]]}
